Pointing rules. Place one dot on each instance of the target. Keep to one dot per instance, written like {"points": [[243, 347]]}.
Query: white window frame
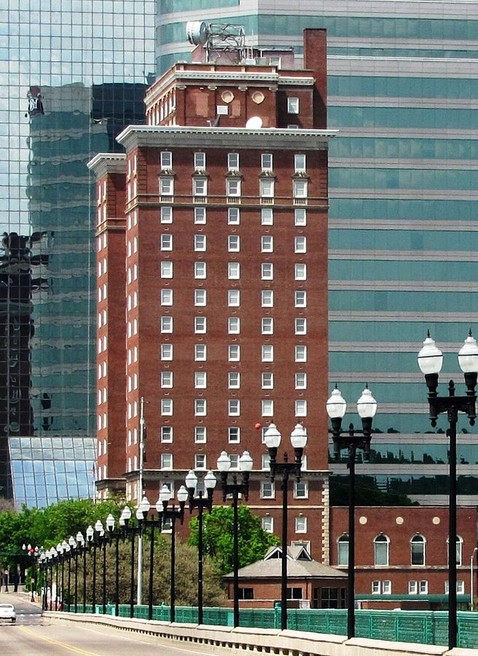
{"points": [[166, 324], [233, 297], [233, 325], [200, 186], [167, 268], [167, 407], [266, 187], [166, 434], [267, 271], [166, 185], [300, 380], [166, 214], [293, 105], [300, 271], [234, 407], [267, 216], [300, 298], [300, 407], [233, 434], [200, 434], [200, 325], [267, 244], [267, 162], [267, 380], [200, 407], [200, 379], [267, 353], [233, 216], [300, 216], [267, 326], [200, 270], [300, 326], [200, 161], [199, 242], [233, 243], [200, 297], [166, 294], [233, 380], [267, 298], [300, 353], [300, 244], [200, 352], [200, 215], [233, 161], [300, 523], [166, 379], [267, 407], [233, 187], [300, 163], [233, 270], [166, 241], [166, 352], [166, 461], [234, 353], [166, 160]]}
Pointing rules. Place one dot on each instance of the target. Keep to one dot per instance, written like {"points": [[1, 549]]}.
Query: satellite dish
{"points": [[197, 32], [254, 122]]}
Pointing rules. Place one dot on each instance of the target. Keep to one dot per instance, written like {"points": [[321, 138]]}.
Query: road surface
{"points": [[35, 635]]}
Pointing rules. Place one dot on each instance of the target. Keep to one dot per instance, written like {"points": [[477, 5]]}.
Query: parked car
{"points": [[7, 612]]}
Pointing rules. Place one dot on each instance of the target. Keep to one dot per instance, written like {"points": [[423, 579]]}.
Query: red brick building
{"points": [[402, 551], [212, 282]]}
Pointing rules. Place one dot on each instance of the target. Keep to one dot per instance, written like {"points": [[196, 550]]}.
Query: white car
{"points": [[7, 612]]}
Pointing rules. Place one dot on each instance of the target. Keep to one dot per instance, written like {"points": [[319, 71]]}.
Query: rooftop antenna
{"points": [[217, 38]]}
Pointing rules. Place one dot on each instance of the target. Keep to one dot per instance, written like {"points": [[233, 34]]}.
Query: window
{"points": [[246, 593], [299, 163], [292, 105], [200, 407], [233, 161], [300, 326], [381, 547], [233, 407], [459, 549], [166, 215], [233, 270], [301, 524], [200, 161], [166, 324], [166, 351], [460, 587], [267, 490], [267, 298], [300, 298], [233, 216], [200, 379], [166, 242], [300, 353], [266, 188], [343, 550], [417, 547], [267, 407], [200, 187], [200, 324], [233, 325], [300, 216], [199, 242], [300, 244], [233, 243], [200, 352], [166, 269], [166, 379], [233, 297], [166, 160], [265, 461], [267, 353], [300, 271], [166, 433], [418, 587], [301, 489], [381, 587], [233, 187], [267, 216], [199, 270], [166, 186], [267, 524], [166, 461], [200, 215], [200, 434], [267, 244], [200, 461], [233, 380], [300, 408], [166, 407], [233, 353], [233, 434], [300, 380], [166, 296], [294, 593], [267, 326], [266, 162], [423, 587], [267, 380], [267, 271], [200, 296]]}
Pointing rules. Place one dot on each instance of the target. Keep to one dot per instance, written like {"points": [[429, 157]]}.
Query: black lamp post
{"points": [[202, 503], [90, 541], [141, 516], [170, 515], [430, 360], [234, 489], [131, 530], [32, 552], [298, 440], [351, 440], [110, 533], [85, 547], [80, 544], [53, 562], [61, 551], [43, 563]]}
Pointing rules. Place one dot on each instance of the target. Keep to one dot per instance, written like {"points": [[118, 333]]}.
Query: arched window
{"points": [[381, 549], [459, 549], [343, 550], [417, 547]]}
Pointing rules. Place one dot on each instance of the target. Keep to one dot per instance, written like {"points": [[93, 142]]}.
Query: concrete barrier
{"points": [[265, 641]]}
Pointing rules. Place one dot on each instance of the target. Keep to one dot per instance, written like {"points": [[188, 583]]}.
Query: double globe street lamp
{"points": [[430, 361], [351, 440], [235, 488], [272, 438]]}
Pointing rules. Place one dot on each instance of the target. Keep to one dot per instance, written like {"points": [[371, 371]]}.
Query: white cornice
{"points": [[103, 163], [206, 137]]}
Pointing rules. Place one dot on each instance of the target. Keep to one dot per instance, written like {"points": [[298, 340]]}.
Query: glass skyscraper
{"points": [[403, 93], [74, 75]]}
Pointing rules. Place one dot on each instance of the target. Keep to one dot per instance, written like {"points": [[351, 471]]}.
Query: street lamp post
{"points": [[298, 440], [202, 503], [472, 579], [351, 440], [124, 520], [80, 543], [171, 514], [234, 489], [32, 552], [52, 559], [430, 361]]}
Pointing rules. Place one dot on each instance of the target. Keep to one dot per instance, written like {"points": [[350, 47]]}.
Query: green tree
{"points": [[218, 537]]}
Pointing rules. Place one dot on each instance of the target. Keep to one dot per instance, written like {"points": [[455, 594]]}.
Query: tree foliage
{"points": [[218, 537]]}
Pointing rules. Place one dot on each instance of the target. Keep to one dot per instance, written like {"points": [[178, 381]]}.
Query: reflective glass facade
{"points": [[403, 92], [74, 75]]}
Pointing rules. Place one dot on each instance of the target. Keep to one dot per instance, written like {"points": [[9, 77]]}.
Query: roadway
{"points": [[36, 635]]}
